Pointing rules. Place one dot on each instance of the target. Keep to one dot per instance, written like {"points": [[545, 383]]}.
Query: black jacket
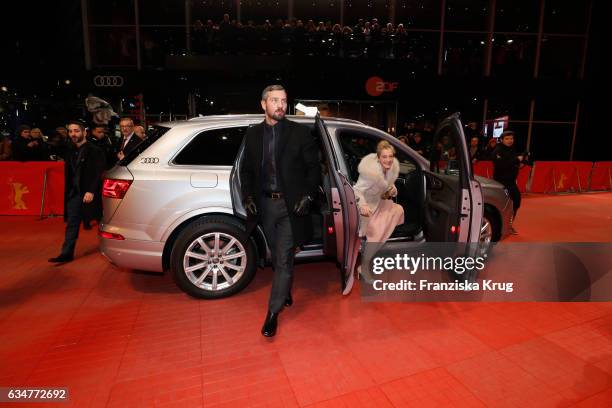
{"points": [[131, 145], [22, 152], [298, 170], [88, 177], [505, 165], [106, 145]]}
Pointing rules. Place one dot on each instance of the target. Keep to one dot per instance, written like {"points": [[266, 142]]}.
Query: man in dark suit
{"points": [[83, 181], [128, 140], [279, 177]]}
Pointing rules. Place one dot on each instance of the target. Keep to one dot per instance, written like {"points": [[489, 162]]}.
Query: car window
{"points": [[216, 147], [444, 154], [355, 145]]}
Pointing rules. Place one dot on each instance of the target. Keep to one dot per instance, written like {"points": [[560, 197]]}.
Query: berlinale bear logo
{"points": [[18, 191], [376, 86]]}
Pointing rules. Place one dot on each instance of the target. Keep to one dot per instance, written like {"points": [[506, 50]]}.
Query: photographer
{"points": [[506, 165]]}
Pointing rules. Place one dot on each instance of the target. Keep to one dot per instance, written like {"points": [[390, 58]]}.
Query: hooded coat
{"points": [[373, 183]]}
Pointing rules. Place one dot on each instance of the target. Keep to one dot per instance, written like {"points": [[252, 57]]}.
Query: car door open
{"points": [[453, 205], [344, 207]]}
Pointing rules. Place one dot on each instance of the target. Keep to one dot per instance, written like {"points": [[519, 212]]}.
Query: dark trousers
{"points": [[277, 228], [73, 223], [515, 196]]}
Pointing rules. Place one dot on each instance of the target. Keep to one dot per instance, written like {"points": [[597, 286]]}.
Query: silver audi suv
{"points": [[174, 203]]}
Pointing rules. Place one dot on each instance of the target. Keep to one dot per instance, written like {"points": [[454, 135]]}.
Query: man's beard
{"points": [[77, 140], [278, 115]]}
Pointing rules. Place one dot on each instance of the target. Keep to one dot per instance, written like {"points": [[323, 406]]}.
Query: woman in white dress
{"points": [[375, 190]]}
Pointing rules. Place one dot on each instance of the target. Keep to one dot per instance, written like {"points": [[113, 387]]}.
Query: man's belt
{"points": [[273, 194]]}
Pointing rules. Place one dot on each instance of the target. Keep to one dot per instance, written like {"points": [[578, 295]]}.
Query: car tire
{"points": [[489, 232], [213, 258]]}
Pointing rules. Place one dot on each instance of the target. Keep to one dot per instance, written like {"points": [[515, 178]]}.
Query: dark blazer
{"points": [[134, 141], [297, 163], [106, 145], [88, 175]]}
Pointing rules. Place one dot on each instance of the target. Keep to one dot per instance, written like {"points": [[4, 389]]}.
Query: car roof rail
{"points": [[261, 116]]}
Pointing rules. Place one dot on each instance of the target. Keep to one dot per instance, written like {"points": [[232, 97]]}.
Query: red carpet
{"points": [[120, 338]]}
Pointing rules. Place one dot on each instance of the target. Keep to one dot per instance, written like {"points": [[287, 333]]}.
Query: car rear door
{"points": [[344, 207], [453, 205]]}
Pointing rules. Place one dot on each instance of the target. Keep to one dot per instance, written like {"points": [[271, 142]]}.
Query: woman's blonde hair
{"points": [[384, 145]]}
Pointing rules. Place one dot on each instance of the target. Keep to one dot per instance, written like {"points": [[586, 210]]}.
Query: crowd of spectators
{"points": [[420, 138], [296, 37], [30, 144]]}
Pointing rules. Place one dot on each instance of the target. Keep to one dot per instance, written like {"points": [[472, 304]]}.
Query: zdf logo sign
{"points": [[375, 86]]}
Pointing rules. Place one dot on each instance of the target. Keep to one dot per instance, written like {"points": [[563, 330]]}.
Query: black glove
{"points": [[302, 206], [250, 206]]}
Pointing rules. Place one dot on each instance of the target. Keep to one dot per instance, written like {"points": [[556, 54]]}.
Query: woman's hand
{"points": [[365, 211], [392, 192]]}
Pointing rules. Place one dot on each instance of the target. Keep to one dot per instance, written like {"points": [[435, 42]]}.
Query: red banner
{"points": [[483, 168], [560, 177], [523, 178], [22, 185], [601, 176]]}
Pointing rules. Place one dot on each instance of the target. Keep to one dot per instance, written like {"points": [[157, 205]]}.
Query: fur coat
{"points": [[373, 183]]}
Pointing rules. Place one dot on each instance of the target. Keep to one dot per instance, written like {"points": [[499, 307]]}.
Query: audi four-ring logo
{"points": [[108, 81]]}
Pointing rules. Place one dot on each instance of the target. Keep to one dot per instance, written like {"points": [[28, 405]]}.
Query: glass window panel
{"points": [[117, 12], [213, 10], [217, 147], [317, 10], [517, 15], [555, 108], [561, 58], [261, 10], [464, 54], [419, 50], [157, 43], [567, 17], [551, 142], [113, 46], [469, 15], [366, 10], [163, 12], [516, 107], [418, 13], [349, 110], [513, 56]]}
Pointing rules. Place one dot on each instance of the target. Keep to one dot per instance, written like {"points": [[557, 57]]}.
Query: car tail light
{"points": [[330, 230], [454, 229], [110, 235], [115, 188]]}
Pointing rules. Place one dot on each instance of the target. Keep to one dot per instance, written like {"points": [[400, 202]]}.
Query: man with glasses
{"points": [[128, 140]]}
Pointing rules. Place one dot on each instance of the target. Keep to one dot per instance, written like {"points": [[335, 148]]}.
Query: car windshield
{"points": [[153, 135]]}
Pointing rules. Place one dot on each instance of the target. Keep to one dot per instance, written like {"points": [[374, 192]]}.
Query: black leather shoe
{"points": [[269, 327], [61, 259], [289, 300]]}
